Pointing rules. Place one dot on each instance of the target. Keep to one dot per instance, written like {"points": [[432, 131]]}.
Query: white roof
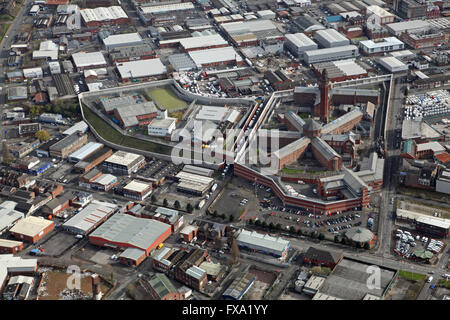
{"points": [[124, 38], [379, 11], [141, 68], [86, 59], [105, 179], [162, 123], [167, 8], [79, 126], [211, 113], [203, 41], [392, 62], [216, 55], [349, 67], [408, 25], [434, 146], [331, 35], [91, 215], [48, 45], [389, 41], [103, 14], [137, 186], [435, 221], [53, 55], [86, 150], [262, 240], [9, 243], [300, 39], [123, 158], [31, 226], [331, 50]]}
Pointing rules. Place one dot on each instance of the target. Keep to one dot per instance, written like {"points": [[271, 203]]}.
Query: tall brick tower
{"points": [[324, 88]]}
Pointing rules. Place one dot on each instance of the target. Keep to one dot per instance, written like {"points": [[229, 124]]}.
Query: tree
{"points": [[250, 221], [222, 216], [189, 208], [231, 218], [299, 232], [366, 245], [336, 239], [343, 241], [321, 236], [176, 204], [264, 224], [153, 198], [215, 214], [165, 203], [235, 253], [278, 226], [257, 223], [292, 230], [42, 135], [271, 226]]}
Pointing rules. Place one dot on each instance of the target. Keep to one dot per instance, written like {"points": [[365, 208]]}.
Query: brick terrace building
{"points": [[319, 257], [31, 229]]}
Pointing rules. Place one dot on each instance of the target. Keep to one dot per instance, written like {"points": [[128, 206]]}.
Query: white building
{"points": [[384, 45], [162, 127], [141, 69], [263, 243], [378, 15], [122, 40], [84, 60], [298, 43], [31, 73], [392, 64], [330, 38], [331, 54]]}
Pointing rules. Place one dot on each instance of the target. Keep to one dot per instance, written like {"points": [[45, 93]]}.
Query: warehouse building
{"points": [[379, 15], [31, 229], [331, 38], [93, 160], [80, 126], [193, 183], [349, 279], [10, 246], [216, 57], [104, 182], [392, 64], [318, 257], [263, 243], [17, 93], [198, 170], [123, 163], [141, 70], [84, 151], [8, 216], [136, 115], [90, 217], [89, 60], [10, 265], [430, 225], [340, 70], [443, 182], [123, 231], [137, 190], [298, 43], [161, 127], [64, 147], [251, 33], [122, 40], [380, 46], [239, 287], [313, 285], [202, 42], [411, 26], [131, 53], [330, 54], [150, 15], [104, 16]]}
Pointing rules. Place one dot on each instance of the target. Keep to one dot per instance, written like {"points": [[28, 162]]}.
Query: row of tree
{"points": [[176, 204]]}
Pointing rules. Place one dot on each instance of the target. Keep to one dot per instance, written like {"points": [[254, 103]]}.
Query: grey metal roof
{"points": [[311, 125], [335, 124], [324, 148], [137, 232], [132, 253], [262, 241], [297, 144], [182, 61]]}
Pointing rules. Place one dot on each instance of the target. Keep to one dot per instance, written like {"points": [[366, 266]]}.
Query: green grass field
{"points": [[110, 134], [167, 99], [411, 275], [3, 29]]}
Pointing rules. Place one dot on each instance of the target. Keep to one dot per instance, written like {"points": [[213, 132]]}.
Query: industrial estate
{"points": [[224, 150]]}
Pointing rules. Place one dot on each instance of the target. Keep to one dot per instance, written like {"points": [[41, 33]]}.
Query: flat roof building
{"points": [[330, 54], [123, 162], [141, 69], [32, 229], [215, 56], [85, 151], [122, 40], [298, 43], [266, 244], [239, 287], [137, 190], [380, 46], [392, 64]]}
